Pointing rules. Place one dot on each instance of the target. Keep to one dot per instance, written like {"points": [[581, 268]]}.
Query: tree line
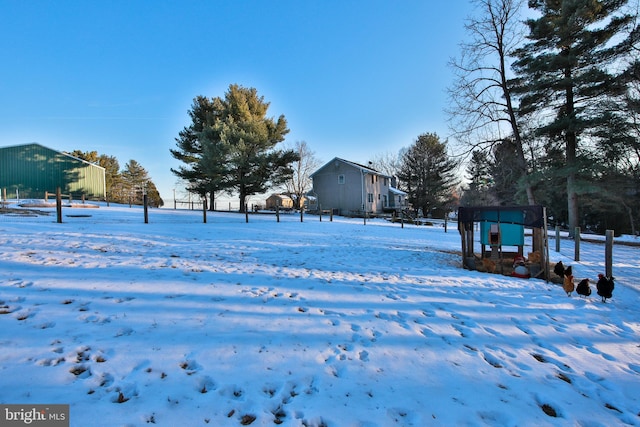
{"points": [[126, 186], [548, 109]]}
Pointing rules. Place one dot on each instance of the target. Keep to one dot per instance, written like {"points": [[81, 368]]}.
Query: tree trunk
{"points": [[522, 161], [571, 140], [243, 199]]}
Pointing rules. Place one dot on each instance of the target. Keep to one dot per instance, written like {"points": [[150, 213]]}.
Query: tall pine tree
{"points": [[231, 145], [565, 70]]}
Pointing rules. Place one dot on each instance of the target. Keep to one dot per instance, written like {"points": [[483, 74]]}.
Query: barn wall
{"points": [[34, 170]]}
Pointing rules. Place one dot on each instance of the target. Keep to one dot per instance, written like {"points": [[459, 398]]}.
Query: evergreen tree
{"points": [[427, 174], [113, 180], [478, 192], [566, 68], [230, 145], [136, 183], [201, 175], [504, 175]]}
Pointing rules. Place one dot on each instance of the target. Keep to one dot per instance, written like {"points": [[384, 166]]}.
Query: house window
{"points": [[386, 182], [340, 179], [378, 196], [373, 179], [384, 201], [370, 197]]}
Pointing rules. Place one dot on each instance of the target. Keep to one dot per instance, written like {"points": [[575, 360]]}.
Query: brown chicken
{"points": [[568, 285]]}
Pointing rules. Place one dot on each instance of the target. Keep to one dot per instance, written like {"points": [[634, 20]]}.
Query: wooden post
{"points": [[576, 236], [246, 213], [4, 194], [146, 211], [608, 254], [59, 205], [446, 215], [557, 238], [302, 214], [320, 212], [277, 213], [46, 196], [204, 210], [331, 215]]}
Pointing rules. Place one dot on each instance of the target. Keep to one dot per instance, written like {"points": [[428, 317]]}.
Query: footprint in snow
{"points": [[548, 346], [547, 359], [523, 328], [463, 331], [493, 332]]}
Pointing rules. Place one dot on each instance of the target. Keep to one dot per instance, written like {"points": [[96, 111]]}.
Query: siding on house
{"points": [[350, 188], [34, 170]]}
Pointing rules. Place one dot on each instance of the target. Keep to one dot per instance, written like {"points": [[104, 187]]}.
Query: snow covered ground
{"points": [[181, 323]]}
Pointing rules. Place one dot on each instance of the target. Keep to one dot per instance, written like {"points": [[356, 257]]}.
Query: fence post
{"points": [[320, 212], [204, 210], [59, 205], [277, 213], [576, 237], [331, 215], [246, 212], [608, 254], [557, 238], [146, 211], [302, 214]]}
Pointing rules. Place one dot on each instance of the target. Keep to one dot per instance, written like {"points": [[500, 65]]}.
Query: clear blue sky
{"points": [[354, 79]]}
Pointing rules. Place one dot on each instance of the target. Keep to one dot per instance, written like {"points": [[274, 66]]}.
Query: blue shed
{"points": [[504, 227]]}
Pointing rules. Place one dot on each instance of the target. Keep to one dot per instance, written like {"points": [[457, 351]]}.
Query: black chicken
{"points": [[605, 287], [568, 271], [559, 269], [584, 288]]}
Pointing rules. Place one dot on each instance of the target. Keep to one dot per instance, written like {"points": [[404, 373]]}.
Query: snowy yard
{"points": [[180, 323]]}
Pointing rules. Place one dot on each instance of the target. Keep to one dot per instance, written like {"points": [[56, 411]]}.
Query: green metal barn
{"points": [[33, 170]]}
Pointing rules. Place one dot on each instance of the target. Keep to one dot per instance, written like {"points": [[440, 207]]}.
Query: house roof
{"points": [[363, 168], [397, 192], [280, 196]]}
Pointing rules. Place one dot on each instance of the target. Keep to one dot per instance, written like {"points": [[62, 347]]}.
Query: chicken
{"points": [[583, 288], [568, 271], [489, 265], [605, 287], [559, 269], [568, 285], [567, 277]]}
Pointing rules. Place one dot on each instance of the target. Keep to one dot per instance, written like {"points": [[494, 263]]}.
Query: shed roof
{"points": [[532, 216]]}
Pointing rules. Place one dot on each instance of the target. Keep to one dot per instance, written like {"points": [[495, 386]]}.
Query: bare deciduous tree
{"points": [[482, 109], [300, 182]]}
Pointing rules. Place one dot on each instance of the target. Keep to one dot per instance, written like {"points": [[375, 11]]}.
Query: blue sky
{"points": [[354, 79]]}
